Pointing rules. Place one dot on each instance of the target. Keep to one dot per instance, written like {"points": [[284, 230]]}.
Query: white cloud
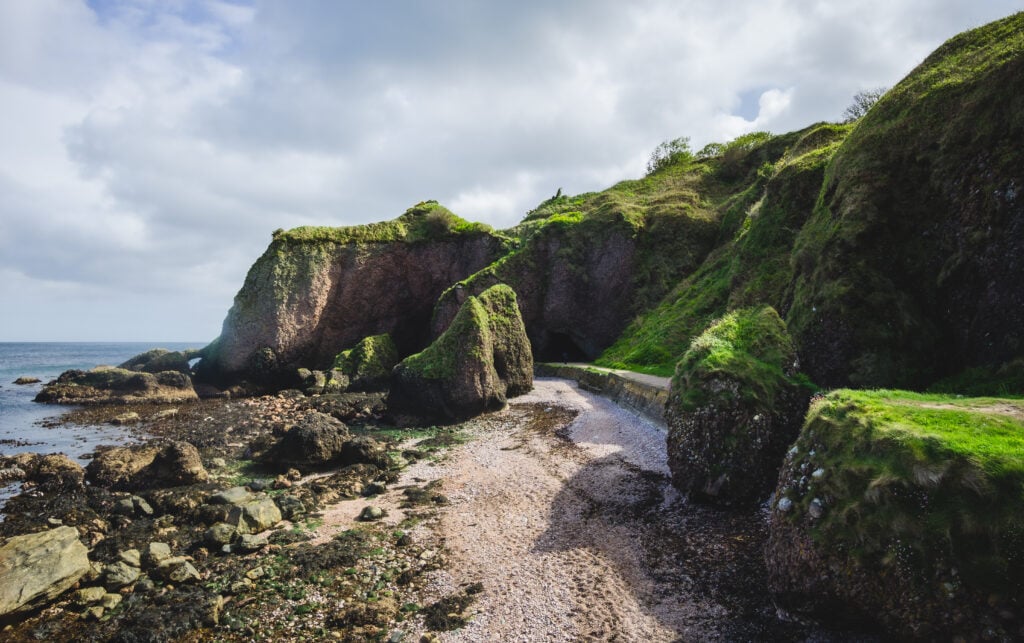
{"points": [[151, 147]]}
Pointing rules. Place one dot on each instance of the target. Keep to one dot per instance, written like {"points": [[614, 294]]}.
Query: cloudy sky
{"points": [[149, 147]]}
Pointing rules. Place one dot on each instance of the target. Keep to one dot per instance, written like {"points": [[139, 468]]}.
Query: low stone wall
{"points": [[645, 399]]}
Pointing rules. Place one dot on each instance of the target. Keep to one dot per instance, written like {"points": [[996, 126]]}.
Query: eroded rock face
{"points": [[312, 295], [734, 408], [108, 385], [481, 360], [37, 568]]}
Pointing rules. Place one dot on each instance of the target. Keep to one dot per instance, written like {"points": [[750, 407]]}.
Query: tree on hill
{"points": [[862, 102]]}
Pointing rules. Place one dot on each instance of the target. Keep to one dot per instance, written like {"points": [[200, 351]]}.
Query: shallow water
{"points": [[22, 428]]}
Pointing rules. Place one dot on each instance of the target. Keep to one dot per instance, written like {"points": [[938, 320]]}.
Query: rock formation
{"points": [[474, 366], [368, 364], [37, 568], [108, 385], [904, 510], [734, 407], [316, 291], [158, 360], [147, 466]]}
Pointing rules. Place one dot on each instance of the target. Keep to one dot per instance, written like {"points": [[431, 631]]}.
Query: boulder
{"points": [[735, 405], [364, 450], [368, 364], [171, 464], [37, 568], [315, 441], [22, 381], [254, 517], [474, 366], [904, 510], [120, 574], [158, 360], [109, 385], [52, 472]]}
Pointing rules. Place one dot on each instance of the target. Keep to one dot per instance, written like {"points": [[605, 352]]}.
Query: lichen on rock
{"points": [[474, 366], [735, 404]]}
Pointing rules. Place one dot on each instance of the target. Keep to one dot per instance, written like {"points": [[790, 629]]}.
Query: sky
{"points": [[148, 148]]}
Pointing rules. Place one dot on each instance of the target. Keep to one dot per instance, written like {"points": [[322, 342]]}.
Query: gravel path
{"points": [[555, 522]]}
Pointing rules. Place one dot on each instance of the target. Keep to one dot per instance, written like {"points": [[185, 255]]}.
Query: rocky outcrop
{"points": [[159, 360], [51, 472], [109, 385], [579, 280], [315, 441], [172, 464], [478, 362], [910, 268], [888, 512], [37, 568], [24, 380], [368, 364], [734, 407], [316, 291]]}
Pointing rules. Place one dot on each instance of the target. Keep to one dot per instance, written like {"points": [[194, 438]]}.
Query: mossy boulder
{"points": [[907, 510], [109, 385], [474, 366], [316, 291], [735, 405], [368, 364]]}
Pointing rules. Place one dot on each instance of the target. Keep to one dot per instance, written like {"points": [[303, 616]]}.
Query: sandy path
{"points": [[548, 527]]}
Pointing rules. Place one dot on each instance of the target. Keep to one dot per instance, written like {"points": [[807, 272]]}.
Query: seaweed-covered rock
{"points": [[368, 364], [109, 385], [159, 360], [481, 359], [316, 291], [315, 441], [734, 407], [37, 568], [907, 510], [171, 464]]}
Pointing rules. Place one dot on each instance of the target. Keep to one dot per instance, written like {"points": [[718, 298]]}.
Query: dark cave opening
{"points": [[560, 347]]}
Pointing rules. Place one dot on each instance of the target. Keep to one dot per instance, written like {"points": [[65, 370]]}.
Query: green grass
{"points": [[918, 483]]}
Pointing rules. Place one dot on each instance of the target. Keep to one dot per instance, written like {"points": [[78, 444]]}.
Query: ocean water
{"points": [[20, 417]]}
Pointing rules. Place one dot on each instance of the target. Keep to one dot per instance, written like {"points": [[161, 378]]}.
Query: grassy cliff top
{"points": [[425, 221]]}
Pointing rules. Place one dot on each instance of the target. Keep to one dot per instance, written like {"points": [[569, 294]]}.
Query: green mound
{"points": [[759, 220], [368, 364], [925, 489], [425, 221]]}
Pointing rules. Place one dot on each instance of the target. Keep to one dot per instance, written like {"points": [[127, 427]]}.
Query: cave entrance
{"points": [[560, 347]]}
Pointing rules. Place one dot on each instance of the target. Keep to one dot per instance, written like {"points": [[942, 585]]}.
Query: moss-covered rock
{"points": [[909, 269], [474, 366], [905, 509], [368, 364], [316, 291], [734, 407], [109, 385]]}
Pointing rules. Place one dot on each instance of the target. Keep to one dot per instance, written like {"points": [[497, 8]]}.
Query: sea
{"points": [[21, 420]]}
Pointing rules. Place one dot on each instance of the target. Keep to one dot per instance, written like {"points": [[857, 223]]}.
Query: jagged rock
{"points": [[108, 385], [254, 517], [220, 534], [364, 450], [315, 441], [37, 568], [22, 381], [178, 569], [368, 364], [734, 408], [132, 557], [480, 360], [117, 467], [317, 291], [159, 360], [251, 542], [177, 463], [11, 473], [88, 596]]}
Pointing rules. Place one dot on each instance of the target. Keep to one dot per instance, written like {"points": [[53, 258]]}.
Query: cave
{"points": [[560, 347]]}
